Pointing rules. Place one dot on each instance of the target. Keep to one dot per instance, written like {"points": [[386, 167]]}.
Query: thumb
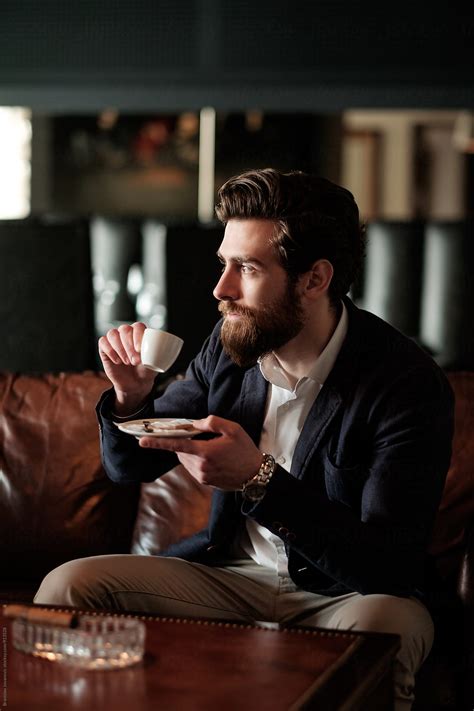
{"points": [[215, 424]]}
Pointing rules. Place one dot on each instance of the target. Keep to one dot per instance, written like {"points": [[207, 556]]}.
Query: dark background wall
{"points": [[174, 54], [81, 56]]}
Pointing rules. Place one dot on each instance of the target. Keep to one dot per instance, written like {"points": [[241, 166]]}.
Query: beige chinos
{"points": [[239, 590]]}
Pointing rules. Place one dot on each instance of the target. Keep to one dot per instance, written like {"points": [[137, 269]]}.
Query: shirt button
{"points": [[281, 460]]}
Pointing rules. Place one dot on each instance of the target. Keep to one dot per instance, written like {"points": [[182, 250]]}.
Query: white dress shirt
{"points": [[286, 412]]}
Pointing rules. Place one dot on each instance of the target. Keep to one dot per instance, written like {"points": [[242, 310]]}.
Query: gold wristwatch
{"points": [[254, 489]]}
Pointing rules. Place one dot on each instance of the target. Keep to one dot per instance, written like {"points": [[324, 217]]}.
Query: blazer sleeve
{"points": [[380, 546], [125, 462]]}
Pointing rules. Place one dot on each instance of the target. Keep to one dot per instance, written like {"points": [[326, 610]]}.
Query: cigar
{"points": [[48, 617]]}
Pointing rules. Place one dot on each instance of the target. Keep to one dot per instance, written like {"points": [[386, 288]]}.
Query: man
{"points": [[327, 439]]}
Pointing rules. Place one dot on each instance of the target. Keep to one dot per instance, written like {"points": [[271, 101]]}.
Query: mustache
{"points": [[228, 307]]}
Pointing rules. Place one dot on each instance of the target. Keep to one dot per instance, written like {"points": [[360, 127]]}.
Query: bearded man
{"points": [[328, 439]]}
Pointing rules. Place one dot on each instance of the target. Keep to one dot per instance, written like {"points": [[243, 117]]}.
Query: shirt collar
{"points": [[323, 364]]}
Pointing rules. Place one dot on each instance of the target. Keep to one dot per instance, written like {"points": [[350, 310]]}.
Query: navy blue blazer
{"points": [[357, 508]]}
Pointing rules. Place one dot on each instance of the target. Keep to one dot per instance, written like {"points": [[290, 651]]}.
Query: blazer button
{"points": [[211, 549], [291, 536], [283, 531], [276, 525]]}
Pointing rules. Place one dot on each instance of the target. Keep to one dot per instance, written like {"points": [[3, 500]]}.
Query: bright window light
{"points": [[15, 162]]}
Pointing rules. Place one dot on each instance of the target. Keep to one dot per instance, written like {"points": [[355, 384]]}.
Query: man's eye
{"points": [[246, 268]]}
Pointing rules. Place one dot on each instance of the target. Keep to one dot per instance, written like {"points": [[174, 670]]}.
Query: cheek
{"points": [[261, 291], [269, 295]]}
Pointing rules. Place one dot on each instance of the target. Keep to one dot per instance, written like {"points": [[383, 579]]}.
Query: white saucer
{"points": [[138, 428]]}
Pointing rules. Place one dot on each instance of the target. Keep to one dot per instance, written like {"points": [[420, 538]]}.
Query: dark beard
{"points": [[260, 331]]}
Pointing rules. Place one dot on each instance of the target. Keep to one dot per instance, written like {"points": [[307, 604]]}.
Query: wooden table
{"points": [[214, 666]]}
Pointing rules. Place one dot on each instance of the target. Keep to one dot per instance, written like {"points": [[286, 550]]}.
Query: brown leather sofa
{"points": [[56, 504]]}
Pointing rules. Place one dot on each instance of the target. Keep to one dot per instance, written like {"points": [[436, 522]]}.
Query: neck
{"points": [[298, 355]]}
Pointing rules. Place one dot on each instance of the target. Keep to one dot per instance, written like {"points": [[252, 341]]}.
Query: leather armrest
{"points": [[466, 573], [466, 595]]}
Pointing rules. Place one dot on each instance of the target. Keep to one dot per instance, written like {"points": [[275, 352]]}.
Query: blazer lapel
{"points": [[332, 394], [252, 403], [322, 412]]}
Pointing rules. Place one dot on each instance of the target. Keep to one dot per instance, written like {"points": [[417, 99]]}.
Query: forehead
{"points": [[249, 237]]}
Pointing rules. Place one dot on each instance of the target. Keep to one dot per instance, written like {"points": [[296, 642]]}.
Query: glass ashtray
{"points": [[96, 643]]}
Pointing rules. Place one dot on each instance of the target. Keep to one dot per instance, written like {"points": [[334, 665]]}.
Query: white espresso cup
{"points": [[160, 349]]}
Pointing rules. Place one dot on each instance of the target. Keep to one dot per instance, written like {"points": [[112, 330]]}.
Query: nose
{"points": [[226, 288]]}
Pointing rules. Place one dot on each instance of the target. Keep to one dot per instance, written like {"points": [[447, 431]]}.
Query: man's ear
{"points": [[316, 281]]}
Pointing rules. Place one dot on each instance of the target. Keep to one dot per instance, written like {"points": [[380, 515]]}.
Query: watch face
{"points": [[254, 492]]}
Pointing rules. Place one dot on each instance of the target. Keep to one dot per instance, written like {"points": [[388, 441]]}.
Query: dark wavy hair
{"points": [[315, 219]]}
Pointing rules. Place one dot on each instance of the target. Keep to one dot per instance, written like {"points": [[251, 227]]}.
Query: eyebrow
{"points": [[241, 260]]}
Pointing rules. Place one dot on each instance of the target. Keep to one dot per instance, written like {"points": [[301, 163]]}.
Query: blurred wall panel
{"points": [[46, 303], [393, 273], [448, 293], [115, 245], [152, 299]]}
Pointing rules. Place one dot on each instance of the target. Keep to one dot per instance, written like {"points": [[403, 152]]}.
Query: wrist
{"points": [[254, 489], [125, 405]]}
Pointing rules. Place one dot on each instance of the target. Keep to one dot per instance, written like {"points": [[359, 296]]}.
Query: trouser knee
{"points": [[405, 617], [76, 583]]}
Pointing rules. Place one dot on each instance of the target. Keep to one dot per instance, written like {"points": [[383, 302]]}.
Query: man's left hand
{"points": [[226, 461]]}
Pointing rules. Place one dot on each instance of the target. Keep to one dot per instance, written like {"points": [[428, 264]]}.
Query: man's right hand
{"points": [[119, 352]]}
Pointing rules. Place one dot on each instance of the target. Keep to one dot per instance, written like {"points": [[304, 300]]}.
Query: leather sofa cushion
{"points": [[56, 502], [457, 505], [170, 509]]}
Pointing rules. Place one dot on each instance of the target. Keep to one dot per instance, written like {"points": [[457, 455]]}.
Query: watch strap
{"points": [[254, 488]]}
